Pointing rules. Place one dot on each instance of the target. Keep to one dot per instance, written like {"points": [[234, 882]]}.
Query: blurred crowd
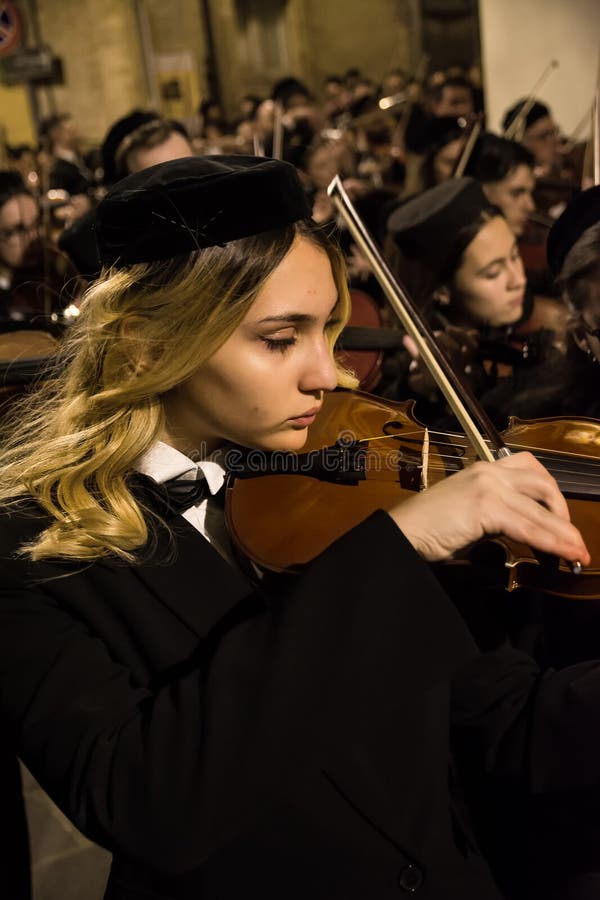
{"points": [[394, 144]]}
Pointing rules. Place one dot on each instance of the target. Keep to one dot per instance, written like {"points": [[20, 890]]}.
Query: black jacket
{"points": [[229, 742]]}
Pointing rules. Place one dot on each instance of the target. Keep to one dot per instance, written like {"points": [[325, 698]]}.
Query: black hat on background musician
{"points": [[425, 227]]}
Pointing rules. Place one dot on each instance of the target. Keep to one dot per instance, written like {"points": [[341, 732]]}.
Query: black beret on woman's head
{"points": [[187, 204]]}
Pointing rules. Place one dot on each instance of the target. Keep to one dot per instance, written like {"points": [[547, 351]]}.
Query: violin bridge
{"points": [[424, 460]]}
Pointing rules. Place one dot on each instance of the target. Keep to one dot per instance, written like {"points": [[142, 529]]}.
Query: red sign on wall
{"points": [[10, 27]]}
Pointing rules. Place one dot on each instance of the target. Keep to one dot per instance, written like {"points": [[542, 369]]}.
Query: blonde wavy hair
{"points": [[141, 332]]}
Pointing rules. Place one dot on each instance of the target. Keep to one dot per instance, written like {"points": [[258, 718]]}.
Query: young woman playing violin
{"points": [[461, 261], [225, 737]]}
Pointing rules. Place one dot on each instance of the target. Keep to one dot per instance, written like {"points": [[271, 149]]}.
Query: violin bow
{"points": [[393, 100], [591, 159], [277, 131], [257, 145], [418, 77], [516, 129], [596, 138], [476, 423], [474, 420], [465, 156]]}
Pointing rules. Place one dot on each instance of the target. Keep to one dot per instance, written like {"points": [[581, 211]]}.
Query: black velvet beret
{"points": [[581, 213], [537, 111], [186, 204], [426, 226]]}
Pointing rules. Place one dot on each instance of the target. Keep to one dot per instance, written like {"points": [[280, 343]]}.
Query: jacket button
{"points": [[410, 878]]}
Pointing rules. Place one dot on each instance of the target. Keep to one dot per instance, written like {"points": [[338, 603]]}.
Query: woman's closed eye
{"points": [[280, 340], [492, 273], [284, 339]]}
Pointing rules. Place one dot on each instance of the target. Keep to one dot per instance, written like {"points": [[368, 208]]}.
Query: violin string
{"points": [[576, 484], [455, 464], [459, 463], [542, 454], [537, 451], [470, 459]]}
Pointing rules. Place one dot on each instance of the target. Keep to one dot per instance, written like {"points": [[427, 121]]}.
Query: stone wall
{"points": [[121, 54], [100, 49], [317, 39], [373, 36]]}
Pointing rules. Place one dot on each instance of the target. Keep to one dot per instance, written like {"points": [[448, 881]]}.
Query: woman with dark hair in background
{"points": [[461, 263]]}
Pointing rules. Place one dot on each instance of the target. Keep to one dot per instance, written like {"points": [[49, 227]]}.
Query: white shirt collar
{"points": [[163, 462]]}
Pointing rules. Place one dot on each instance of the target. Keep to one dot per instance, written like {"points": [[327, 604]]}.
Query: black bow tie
{"points": [[181, 493]]}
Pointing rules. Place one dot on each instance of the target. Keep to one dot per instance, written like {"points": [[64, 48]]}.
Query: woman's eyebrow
{"points": [[294, 317], [493, 262], [287, 317]]}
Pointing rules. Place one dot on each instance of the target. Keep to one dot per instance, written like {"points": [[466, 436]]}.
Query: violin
{"points": [[532, 243], [366, 453], [544, 330], [325, 480]]}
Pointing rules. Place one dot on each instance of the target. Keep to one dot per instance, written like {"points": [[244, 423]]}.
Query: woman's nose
{"points": [[320, 372], [516, 271]]}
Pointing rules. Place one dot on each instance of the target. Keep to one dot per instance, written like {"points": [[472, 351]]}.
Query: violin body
{"points": [[377, 454], [532, 244], [530, 344]]}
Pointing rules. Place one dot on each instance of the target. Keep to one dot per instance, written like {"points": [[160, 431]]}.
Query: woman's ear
{"points": [[442, 296]]}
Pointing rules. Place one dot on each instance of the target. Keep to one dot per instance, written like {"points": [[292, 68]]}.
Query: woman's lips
{"points": [[306, 418]]}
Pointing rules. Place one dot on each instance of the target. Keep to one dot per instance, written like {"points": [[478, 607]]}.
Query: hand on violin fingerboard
{"points": [[515, 497]]}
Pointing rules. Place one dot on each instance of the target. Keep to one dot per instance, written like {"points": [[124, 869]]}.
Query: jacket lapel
{"points": [[190, 577]]}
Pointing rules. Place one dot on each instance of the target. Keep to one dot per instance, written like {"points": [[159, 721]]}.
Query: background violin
{"points": [[363, 342]]}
